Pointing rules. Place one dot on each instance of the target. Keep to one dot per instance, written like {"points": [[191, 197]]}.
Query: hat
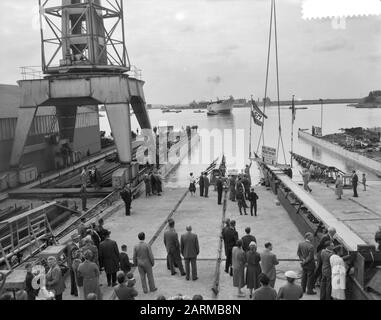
{"points": [[291, 275], [252, 244]]}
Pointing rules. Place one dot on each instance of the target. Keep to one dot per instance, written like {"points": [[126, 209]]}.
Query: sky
{"points": [[203, 49]]}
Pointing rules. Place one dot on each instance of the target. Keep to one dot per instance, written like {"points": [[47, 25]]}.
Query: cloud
{"points": [[216, 80]]}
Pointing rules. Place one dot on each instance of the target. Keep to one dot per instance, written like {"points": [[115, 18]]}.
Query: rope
{"points": [[262, 135]]}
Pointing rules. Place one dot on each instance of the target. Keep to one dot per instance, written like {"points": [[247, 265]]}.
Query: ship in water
{"points": [[220, 107]]}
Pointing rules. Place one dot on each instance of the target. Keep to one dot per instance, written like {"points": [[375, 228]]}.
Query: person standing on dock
{"points": [[83, 194], [232, 196], [253, 198], [84, 177], [247, 239], [172, 244], [326, 271], [355, 180], [206, 185], [144, 260], [70, 252], [306, 254], [306, 179], [268, 263], [159, 184], [247, 172], [265, 292], [153, 183], [220, 189], [253, 269], [82, 229], [124, 260], [147, 182], [339, 184], [190, 249], [238, 266], [54, 279], [230, 240], [126, 196], [201, 183], [88, 271], [291, 290], [109, 259], [364, 181], [192, 185]]}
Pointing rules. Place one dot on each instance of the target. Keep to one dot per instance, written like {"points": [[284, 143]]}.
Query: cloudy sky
{"points": [[200, 49]]}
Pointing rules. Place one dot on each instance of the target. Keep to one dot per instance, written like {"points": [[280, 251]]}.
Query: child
{"points": [[364, 181], [124, 260]]}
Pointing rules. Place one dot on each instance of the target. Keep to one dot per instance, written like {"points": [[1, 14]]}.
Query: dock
{"points": [[204, 215]]}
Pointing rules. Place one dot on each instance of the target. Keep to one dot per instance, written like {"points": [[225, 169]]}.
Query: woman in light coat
{"points": [[339, 187], [338, 277], [238, 264], [89, 272]]}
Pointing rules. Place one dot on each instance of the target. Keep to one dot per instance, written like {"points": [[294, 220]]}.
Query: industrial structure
{"points": [[84, 65]]}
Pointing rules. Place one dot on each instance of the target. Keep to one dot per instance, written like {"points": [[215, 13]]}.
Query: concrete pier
{"points": [[273, 224]]}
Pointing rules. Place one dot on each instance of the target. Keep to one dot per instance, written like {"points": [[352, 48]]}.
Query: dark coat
{"points": [[253, 197], [126, 196], [189, 245], [171, 242], [230, 238], [355, 179], [102, 233], [109, 256], [306, 253], [246, 240], [220, 185], [55, 281], [324, 242], [201, 181], [124, 260], [123, 292], [206, 182]]}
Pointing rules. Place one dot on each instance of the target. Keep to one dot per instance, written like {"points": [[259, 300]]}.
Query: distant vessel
{"points": [[199, 111], [168, 110], [221, 107]]}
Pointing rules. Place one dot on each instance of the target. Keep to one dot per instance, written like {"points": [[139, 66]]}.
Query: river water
{"points": [[235, 133]]}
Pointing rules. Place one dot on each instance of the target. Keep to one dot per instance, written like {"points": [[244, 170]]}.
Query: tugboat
{"points": [[220, 107]]}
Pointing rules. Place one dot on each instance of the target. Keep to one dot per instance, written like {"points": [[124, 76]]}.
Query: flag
{"points": [[293, 110], [257, 118], [256, 108]]}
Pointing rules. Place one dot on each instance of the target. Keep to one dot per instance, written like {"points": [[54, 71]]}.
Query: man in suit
{"points": [[268, 263], [190, 250], [253, 198], [220, 189], [124, 260], [305, 253], [206, 185], [172, 244], [83, 194], [324, 243], [70, 252], [126, 196], [246, 184], [247, 239], [109, 259], [144, 260], [326, 273], [201, 183], [230, 240], [355, 180]]}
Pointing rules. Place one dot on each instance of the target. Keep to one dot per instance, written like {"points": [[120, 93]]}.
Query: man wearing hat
{"points": [[71, 251], [220, 189], [290, 291], [201, 183], [126, 196], [306, 253]]}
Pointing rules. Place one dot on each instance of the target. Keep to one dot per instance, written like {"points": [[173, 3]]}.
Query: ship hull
{"points": [[223, 107]]}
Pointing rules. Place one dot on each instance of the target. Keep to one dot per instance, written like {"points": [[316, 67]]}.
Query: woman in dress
{"points": [[339, 187], [238, 264], [253, 268], [54, 279], [89, 272], [192, 184], [338, 276]]}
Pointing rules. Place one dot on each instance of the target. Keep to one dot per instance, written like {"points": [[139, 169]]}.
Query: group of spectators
{"points": [[153, 184]]}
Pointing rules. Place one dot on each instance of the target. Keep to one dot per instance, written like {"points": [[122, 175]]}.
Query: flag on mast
{"points": [[256, 108], [293, 109], [257, 114]]}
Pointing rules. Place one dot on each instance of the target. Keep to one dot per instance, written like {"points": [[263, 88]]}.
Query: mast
{"points": [[292, 129], [251, 127]]}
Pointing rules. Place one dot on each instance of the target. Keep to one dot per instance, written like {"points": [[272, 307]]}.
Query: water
{"points": [[335, 117]]}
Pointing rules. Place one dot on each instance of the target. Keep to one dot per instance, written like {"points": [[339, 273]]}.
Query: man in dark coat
{"points": [[246, 184], [159, 184], [83, 194], [153, 183], [247, 239], [206, 185], [101, 230], [253, 198], [326, 273], [70, 252], [220, 189], [201, 183], [109, 259], [355, 180], [124, 260], [190, 250], [126, 196], [230, 238], [172, 244], [306, 253]]}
